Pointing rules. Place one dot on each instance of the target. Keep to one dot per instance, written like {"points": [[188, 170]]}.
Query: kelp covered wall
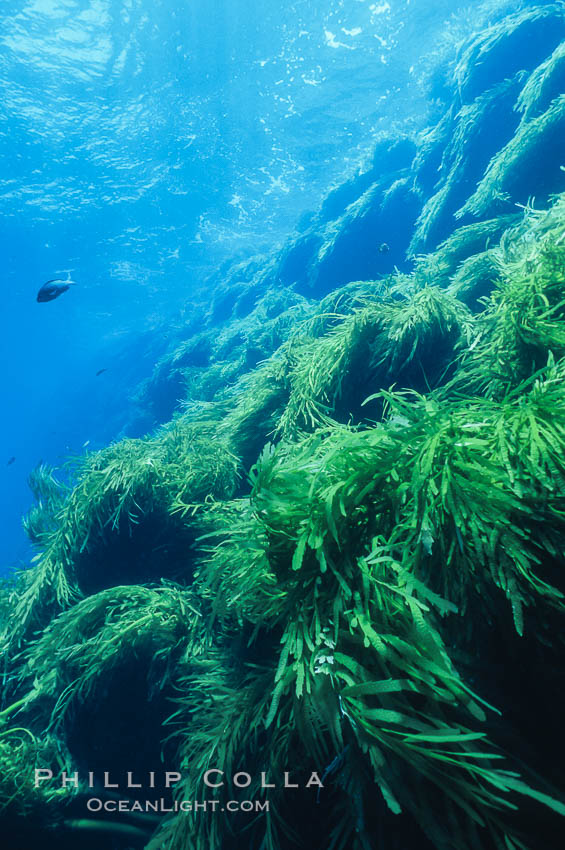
{"points": [[496, 143], [344, 554]]}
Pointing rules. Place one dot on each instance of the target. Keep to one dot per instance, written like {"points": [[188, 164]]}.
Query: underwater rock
{"points": [[465, 243], [518, 42], [475, 279], [297, 258], [350, 250], [544, 84], [342, 603], [344, 555], [391, 155], [530, 165], [476, 134]]}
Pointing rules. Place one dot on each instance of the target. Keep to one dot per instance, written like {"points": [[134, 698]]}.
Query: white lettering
{"points": [[207, 780], [288, 784], [41, 774], [107, 783], [314, 780], [264, 783], [69, 780]]}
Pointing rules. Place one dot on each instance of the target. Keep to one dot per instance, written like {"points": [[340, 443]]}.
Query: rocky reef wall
{"points": [[343, 554]]}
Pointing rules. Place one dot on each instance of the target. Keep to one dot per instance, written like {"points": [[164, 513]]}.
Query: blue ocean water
{"points": [[144, 143]]}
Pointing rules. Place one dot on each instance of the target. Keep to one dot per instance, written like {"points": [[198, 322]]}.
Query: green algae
{"points": [[517, 42], [124, 520], [498, 141], [331, 375], [521, 325], [543, 85], [467, 242], [76, 656], [201, 367], [514, 172], [49, 495], [478, 126], [333, 607], [346, 547]]}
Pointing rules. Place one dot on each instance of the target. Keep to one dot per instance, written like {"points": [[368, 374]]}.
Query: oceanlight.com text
{"points": [[95, 804]]}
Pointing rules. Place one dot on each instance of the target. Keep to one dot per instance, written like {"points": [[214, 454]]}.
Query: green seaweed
{"points": [[78, 653], [21, 752], [475, 279], [465, 151], [543, 85], [466, 242], [511, 44], [321, 566], [311, 558], [133, 490], [49, 494], [521, 324], [330, 375], [517, 170]]}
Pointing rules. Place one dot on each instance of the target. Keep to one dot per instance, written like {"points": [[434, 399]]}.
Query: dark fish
{"points": [[100, 372], [53, 288], [384, 248], [10, 462]]}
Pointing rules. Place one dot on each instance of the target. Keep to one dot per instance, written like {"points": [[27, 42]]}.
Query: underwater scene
{"points": [[283, 485]]}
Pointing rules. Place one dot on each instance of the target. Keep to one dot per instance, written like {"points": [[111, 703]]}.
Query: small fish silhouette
{"points": [[11, 461], [53, 288], [100, 372]]}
